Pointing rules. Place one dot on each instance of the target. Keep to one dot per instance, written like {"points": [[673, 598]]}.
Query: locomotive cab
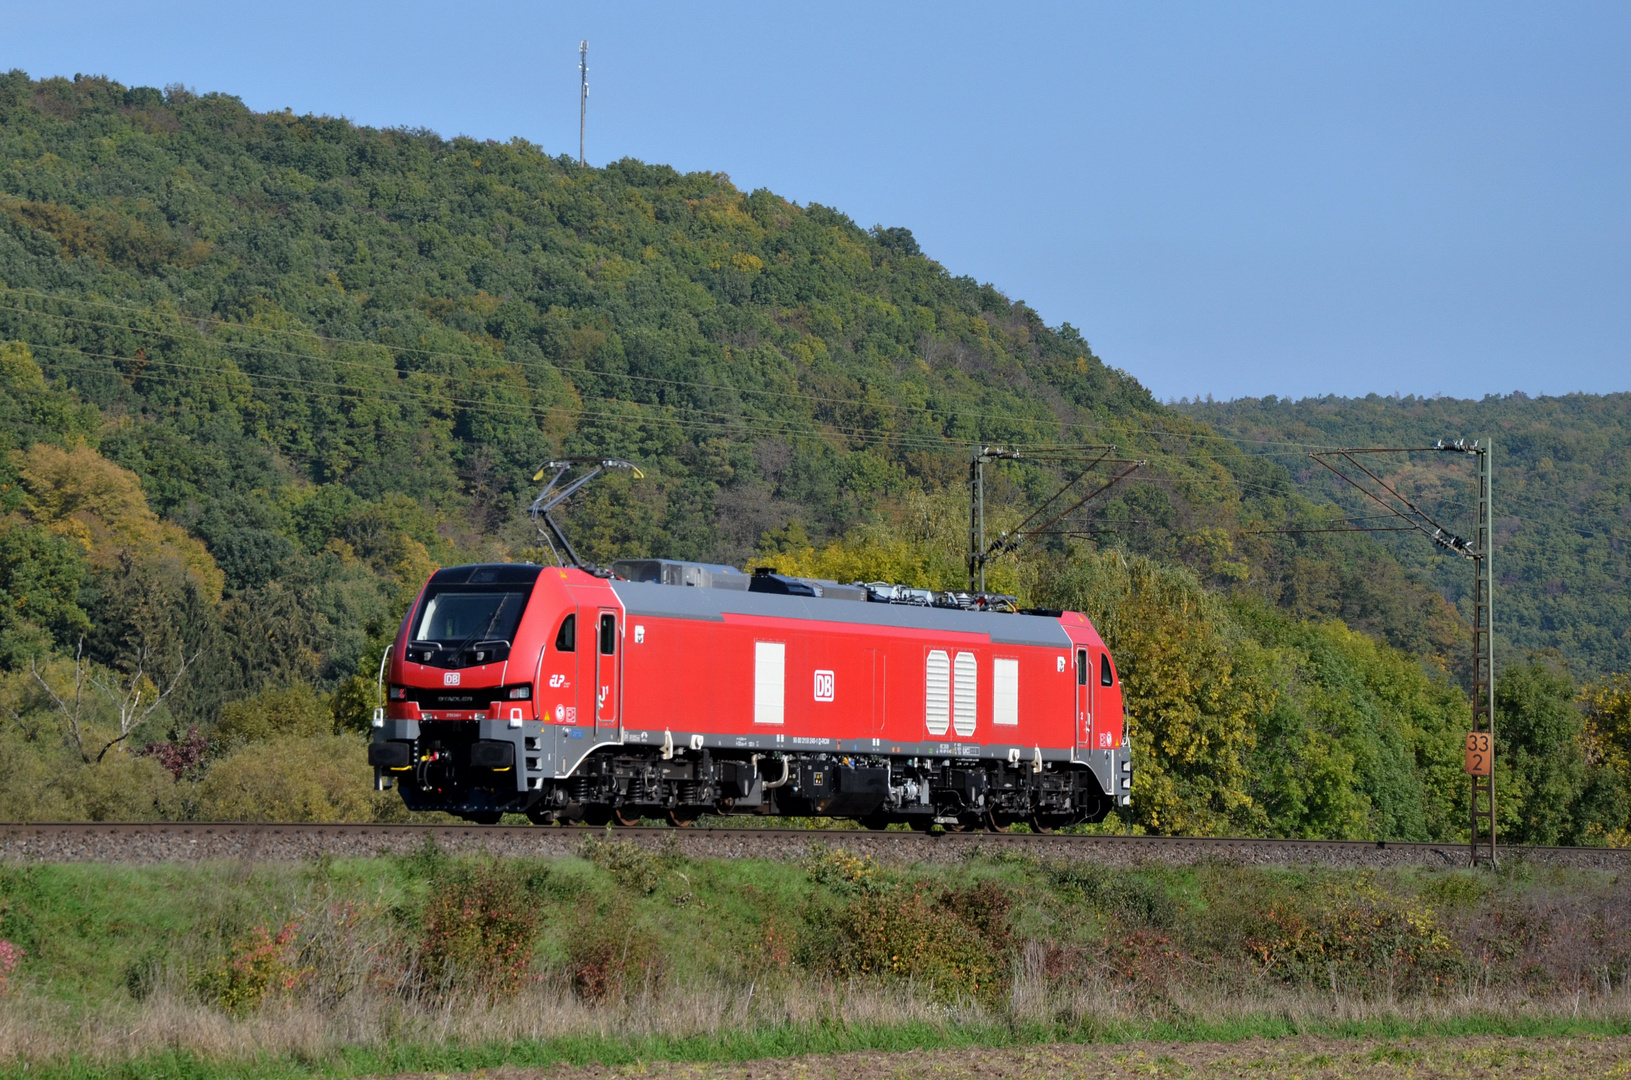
{"points": [[460, 731]]}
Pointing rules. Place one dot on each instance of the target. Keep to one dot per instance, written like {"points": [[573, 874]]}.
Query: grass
{"points": [[729, 960], [783, 1042]]}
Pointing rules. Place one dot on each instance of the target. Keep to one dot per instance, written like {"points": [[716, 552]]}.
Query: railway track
{"points": [[168, 842]]}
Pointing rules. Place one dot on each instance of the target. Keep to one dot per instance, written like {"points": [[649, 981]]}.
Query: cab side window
{"points": [[567, 639], [1106, 676], [1081, 667], [608, 634]]}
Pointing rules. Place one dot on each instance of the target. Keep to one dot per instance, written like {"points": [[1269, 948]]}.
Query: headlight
{"points": [[521, 693], [399, 693]]}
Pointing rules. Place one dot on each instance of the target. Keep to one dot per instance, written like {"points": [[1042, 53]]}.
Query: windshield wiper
{"points": [[481, 635]]}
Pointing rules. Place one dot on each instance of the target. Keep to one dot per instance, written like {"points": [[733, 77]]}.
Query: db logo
{"points": [[823, 685], [557, 680], [450, 678]]}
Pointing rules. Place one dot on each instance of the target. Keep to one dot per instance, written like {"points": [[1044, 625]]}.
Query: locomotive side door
{"points": [[1084, 698], [608, 645], [880, 687]]}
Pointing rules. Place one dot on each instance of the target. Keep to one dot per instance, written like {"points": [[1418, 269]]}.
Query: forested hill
{"points": [[334, 356], [260, 373], [1562, 488]]}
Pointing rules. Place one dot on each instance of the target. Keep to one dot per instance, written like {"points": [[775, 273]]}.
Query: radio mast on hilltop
{"points": [[583, 94]]}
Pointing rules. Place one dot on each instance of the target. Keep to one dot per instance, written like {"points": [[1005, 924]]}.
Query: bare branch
{"points": [[128, 699], [70, 715]]}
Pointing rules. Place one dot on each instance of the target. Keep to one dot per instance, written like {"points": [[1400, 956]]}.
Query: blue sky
{"points": [[1228, 199]]}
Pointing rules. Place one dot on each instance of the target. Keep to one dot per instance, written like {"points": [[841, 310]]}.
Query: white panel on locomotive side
{"points": [[937, 692], [769, 682], [1005, 691], [965, 699]]}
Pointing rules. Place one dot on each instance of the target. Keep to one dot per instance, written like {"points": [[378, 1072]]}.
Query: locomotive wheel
{"points": [[994, 824], [485, 817], [1040, 824], [875, 822], [682, 818], [597, 815], [626, 820]]}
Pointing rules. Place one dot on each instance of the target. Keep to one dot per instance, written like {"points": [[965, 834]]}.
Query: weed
{"points": [[142, 974], [631, 866], [842, 871], [1142, 902], [427, 861], [772, 949], [1086, 882], [10, 957], [1456, 889]]}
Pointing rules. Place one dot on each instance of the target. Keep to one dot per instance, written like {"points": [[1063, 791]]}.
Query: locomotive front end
{"points": [[460, 731]]}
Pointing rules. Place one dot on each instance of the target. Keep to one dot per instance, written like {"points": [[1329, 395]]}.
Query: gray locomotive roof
{"points": [[684, 602]]}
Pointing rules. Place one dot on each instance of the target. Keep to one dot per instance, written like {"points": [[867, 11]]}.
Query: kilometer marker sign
{"points": [[1480, 753]]}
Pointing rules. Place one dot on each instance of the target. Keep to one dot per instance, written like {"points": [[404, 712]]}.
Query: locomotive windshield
{"points": [[461, 615], [466, 605]]}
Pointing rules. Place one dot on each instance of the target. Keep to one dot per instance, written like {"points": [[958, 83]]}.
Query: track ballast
{"points": [[170, 842]]}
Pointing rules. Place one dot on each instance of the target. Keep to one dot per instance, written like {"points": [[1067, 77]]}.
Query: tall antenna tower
{"points": [[583, 94]]}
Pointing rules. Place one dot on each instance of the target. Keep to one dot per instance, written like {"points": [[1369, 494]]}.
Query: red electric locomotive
{"points": [[674, 689]]}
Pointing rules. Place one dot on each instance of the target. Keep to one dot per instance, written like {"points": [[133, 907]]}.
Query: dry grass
{"points": [[311, 1026], [306, 1028]]}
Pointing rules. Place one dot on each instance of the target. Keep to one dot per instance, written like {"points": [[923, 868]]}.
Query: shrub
{"points": [[1356, 936], [295, 710], [254, 970], [179, 755], [291, 778], [1550, 939], [1131, 897], [608, 963], [478, 929], [955, 942]]}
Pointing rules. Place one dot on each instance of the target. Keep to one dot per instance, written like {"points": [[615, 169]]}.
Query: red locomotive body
{"points": [[677, 689]]}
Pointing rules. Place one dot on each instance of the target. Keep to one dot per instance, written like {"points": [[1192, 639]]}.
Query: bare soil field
{"points": [[1304, 1058]]}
